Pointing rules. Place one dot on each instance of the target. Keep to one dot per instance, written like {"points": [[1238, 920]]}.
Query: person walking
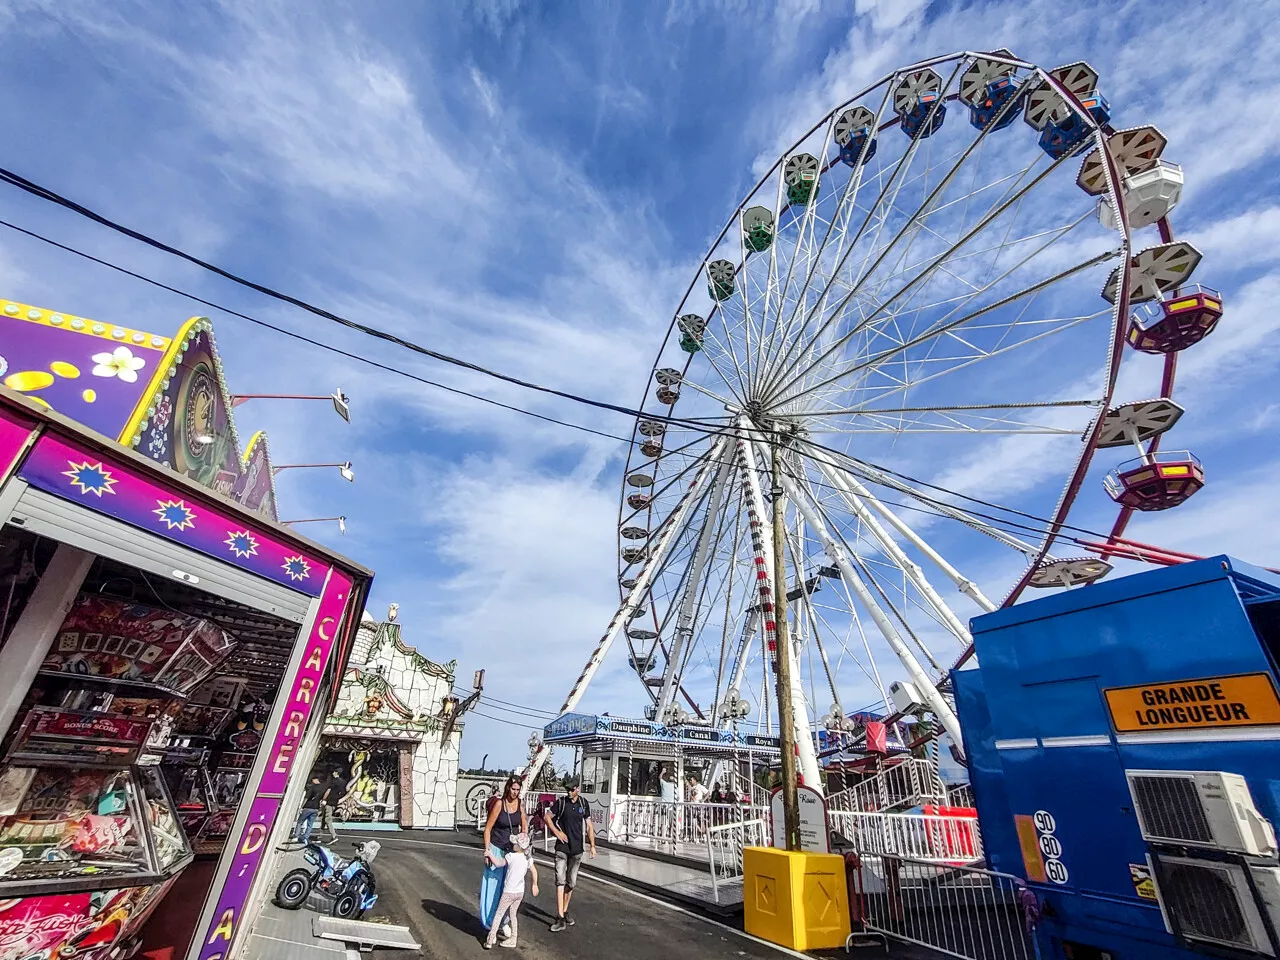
{"points": [[697, 791], [311, 800], [569, 818], [519, 866], [669, 791], [506, 819], [330, 801]]}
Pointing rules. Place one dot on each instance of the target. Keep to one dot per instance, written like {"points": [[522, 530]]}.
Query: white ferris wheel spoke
{"points": [[688, 604], [852, 244], [852, 186], [889, 545], [918, 282], [836, 553], [912, 224], [950, 322], [856, 468], [623, 616], [928, 270]]}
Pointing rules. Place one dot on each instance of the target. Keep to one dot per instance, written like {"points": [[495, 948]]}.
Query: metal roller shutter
{"points": [[70, 523]]}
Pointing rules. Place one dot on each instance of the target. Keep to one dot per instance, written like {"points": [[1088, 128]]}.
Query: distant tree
{"points": [[483, 772]]}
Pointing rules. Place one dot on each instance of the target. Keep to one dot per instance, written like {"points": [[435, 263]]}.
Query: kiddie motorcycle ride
{"points": [[349, 883]]}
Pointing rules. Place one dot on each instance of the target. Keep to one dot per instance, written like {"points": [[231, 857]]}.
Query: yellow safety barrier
{"points": [[794, 899]]}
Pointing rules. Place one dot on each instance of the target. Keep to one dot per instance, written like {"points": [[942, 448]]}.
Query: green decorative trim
{"points": [[391, 631], [426, 725]]}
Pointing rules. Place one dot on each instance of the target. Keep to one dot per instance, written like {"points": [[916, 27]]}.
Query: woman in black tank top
{"points": [[506, 817]]}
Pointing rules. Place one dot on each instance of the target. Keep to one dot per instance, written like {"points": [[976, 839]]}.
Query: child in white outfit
{"points": [[519, 865]]}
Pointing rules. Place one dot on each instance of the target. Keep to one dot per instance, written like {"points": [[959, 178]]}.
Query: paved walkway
{"points": [[684, 882], [430, 883], [286, 934]]}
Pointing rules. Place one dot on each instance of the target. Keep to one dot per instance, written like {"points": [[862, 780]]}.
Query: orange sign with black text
{"points": [[1245, 700]]}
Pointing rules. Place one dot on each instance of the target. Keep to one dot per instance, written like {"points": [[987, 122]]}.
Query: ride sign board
{"points": [[1245, 700], [815, 836]]}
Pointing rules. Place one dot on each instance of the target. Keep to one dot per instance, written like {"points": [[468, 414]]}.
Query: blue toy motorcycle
{"points": [[349, 883]]}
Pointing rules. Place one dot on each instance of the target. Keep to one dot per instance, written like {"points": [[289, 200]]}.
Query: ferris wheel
{"points": [[924, 305]]}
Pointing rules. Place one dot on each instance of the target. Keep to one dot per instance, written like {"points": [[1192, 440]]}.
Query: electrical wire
{"points": [[708, 428], [304, 339], [510, 723], [539, 717], [45, 193], [522, 706]]}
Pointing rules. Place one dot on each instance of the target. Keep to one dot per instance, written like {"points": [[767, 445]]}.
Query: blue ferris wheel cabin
{"points": [[1123, 744]]}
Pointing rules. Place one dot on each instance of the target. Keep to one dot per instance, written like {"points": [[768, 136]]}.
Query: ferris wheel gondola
{"points": [[882, 308]]}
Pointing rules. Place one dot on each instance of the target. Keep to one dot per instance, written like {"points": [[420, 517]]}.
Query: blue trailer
{"points": [[1123, 745]]}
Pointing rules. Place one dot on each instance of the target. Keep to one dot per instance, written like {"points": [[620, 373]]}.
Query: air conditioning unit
{"points": [[1213, 904], [1200, 809], [906, 698]]}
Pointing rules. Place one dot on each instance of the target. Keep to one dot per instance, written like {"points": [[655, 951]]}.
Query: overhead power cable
{"points": [[45, 193], [510, 723], [360, 358], [711, 429], [521, 706], [539, 717]]}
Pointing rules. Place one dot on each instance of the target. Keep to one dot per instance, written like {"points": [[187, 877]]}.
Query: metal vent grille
{"points": [[1204, 900], [1169, 809]]}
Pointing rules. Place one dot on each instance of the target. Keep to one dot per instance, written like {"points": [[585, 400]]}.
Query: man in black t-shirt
{"points": [[570, 817], [315, 795]]}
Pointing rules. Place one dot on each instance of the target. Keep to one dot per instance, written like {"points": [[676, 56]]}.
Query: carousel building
{"points": [[394, 734]]}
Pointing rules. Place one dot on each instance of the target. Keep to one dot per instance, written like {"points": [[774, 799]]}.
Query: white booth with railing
{"points": [[623, 763]]}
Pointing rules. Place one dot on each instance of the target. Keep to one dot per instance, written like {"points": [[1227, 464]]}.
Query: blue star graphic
{"points": [[297, 568], [175, 514], [90, 478], [242, 543]]}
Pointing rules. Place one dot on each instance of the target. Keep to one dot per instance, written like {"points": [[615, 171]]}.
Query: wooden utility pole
{"points": [[786, 711]]}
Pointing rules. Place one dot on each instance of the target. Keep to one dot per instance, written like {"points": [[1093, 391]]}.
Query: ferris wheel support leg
{"points": [[808, 756], [623, 616], [844, 482], [933, 699], [899, 556], [689, 603]]}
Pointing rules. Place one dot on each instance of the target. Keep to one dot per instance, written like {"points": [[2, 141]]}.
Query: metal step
{"points": [[362, 934]]}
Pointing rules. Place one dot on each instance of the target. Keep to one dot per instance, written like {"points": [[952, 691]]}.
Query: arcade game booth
{"points": [[1123, 745], [168, 654]]}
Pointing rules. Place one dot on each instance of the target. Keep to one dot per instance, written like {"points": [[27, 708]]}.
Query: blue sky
{"points": [[532, 186]]}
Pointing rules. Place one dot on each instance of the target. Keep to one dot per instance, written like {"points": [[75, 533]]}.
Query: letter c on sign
{"points": [[320, 629]]}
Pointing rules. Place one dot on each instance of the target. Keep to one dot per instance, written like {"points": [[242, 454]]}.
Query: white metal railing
{"points": [[963, 912], [661, 822], [960, 795], [729, 777], [911, 782], [725, 843], [918, 836]]}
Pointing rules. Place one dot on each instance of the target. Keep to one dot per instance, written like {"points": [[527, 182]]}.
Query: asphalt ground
{"points": [[430, 883]]}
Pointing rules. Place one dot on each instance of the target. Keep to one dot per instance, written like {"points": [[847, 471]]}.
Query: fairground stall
{"points": [[168, 652], [623, 762]]}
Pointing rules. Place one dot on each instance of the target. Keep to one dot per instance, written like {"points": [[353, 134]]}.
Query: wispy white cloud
{"points": [[425, 178]]}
